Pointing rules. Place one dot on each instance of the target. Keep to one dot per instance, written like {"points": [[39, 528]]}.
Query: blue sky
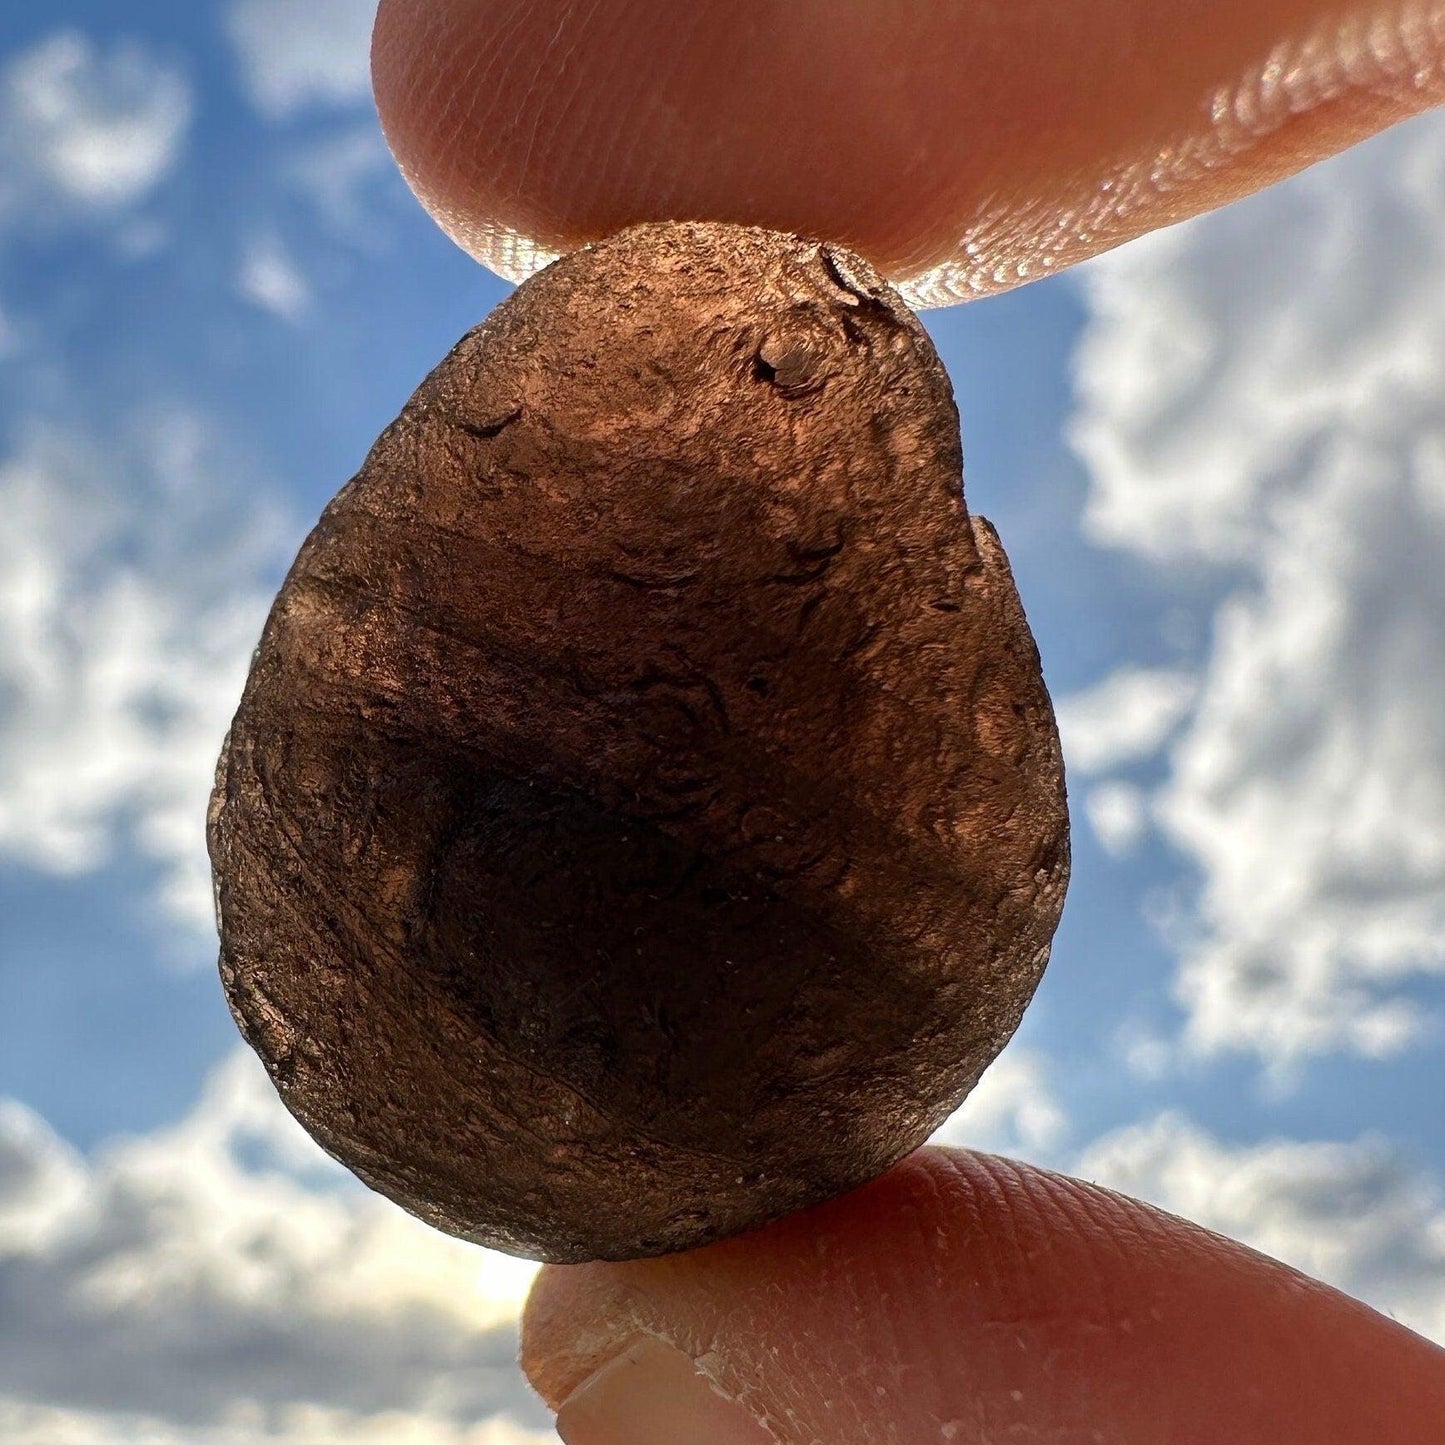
{"points": [[1217, 459]]}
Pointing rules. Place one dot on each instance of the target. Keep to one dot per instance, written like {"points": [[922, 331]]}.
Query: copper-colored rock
{"points": [[645, 814]]}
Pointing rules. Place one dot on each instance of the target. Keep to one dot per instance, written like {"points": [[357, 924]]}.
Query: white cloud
{"points": [[1144, 1051], [23, 1424], [1262, 393], [87, 129], [1311, 786], [130, 601], [223, 1281], [1012, 1111], [270, 278], [338, 176], [1356, 1215], [1123, 719], [41, 1180], [1119, 815], [296, 56]]}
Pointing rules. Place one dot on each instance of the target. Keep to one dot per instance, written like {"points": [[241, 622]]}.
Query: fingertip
{"points": [[965, 1288], [961, 150]]}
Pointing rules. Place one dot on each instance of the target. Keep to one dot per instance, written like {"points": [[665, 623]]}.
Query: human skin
{"points": [[995, 139], [960, 1298], [1014, 1305]]}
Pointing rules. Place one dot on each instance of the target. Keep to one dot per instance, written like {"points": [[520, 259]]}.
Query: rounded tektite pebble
{"points": [[645, 815]]}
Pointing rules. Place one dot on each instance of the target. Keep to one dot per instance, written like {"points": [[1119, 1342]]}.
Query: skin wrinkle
{"points": [[1058, 1216], [647, 79], [537, 111], [1007, 1224], [437, 84], [465, 102], [567, 121], [924, 1351], [645, 76], [497, 63]]}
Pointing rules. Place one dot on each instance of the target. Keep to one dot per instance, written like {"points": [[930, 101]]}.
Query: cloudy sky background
{"points": [[1217, 458]]}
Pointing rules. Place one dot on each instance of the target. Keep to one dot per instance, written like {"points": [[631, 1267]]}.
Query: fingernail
{"points": [[652, 1394]]}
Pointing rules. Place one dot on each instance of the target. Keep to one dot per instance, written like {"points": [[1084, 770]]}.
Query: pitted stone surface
{"points": [[645, 814]]}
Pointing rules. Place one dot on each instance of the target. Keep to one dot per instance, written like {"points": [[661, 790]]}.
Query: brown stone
{"points": [[645, 814]]}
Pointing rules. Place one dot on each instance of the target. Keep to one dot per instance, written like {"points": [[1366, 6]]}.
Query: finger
{"points": [[968, 1299], [985, 141]]}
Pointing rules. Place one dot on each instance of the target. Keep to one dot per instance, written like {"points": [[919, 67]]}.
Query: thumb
{"points": [[968, 1299]]}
